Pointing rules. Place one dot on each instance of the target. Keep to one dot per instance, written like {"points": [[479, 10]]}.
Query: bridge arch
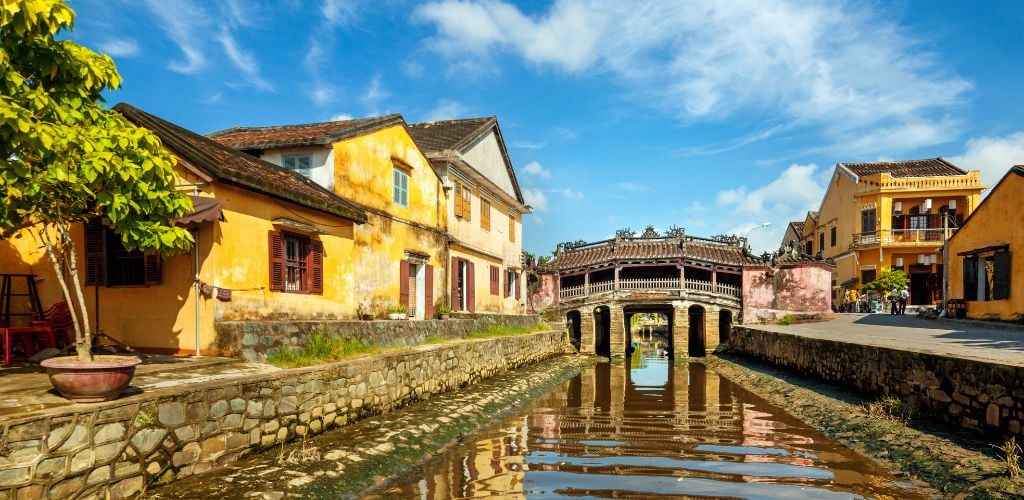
{"points": [[654, 330], [574, 322], [725, 318], [697, 334], [602, 331]]}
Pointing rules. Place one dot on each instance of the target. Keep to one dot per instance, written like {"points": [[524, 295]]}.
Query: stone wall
{"points": [[253, 340], [980, 395], [803, 290], [120, 447]]}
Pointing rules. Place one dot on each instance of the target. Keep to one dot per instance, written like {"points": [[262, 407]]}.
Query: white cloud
{"points": [[568, 193], [840, 68], [632, 187], [340, 117], [536, 170], [526, 145], [119, 47], [183, 21], [992, 155], [536, 199], [374, 95], [339, 12], [447, 110], [243, 61], [322, 94], [786, 198]]}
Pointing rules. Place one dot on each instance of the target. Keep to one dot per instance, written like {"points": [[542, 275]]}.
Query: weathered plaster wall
{"points": [[973, 394], [545, 295], [801, 290], [485, 155], [321, 162], [119, 447], [254, 340], [991, 225]]}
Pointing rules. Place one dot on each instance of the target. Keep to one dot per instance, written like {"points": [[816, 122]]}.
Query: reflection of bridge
{"points": [[695, 282]]}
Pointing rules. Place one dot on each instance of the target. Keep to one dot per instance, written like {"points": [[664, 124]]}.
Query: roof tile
{"points": [[931, 167], [308, 134]]}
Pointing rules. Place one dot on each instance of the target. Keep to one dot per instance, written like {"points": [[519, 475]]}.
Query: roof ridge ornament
{"points": [[650, 233]]}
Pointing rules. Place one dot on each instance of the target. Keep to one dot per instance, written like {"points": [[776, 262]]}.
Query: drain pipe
{"points": [[195, 284]]}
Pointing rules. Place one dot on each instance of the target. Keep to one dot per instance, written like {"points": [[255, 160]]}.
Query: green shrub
{"points": [[443, 310], [787, 320], [397, 309], [320, 348], [892, 408], [503, 330]]}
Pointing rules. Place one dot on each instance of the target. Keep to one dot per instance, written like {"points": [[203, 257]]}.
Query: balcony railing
{"points": [[909, 237], [885, 182], [572, 292]]}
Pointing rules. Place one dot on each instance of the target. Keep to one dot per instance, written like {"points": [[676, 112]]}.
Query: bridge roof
{"points": [[654, 249]]}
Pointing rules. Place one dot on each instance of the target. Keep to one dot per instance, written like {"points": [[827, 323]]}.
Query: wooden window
{"points": [[821, 242], [495, 279], [971, 278], [302, 164], [296, 263], [512, 226], [108, 263], [1001, 276], [485, 214], [867, 276], [400, 188], [511, 283], [463, 203], [463, 285], [867, 221], [832, 236]]}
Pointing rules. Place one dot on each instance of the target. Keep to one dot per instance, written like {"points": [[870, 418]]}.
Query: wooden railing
{"points": [[703, 286], [603, 286], [572, 292], [649, 284], [910, 237], [884, 182]]}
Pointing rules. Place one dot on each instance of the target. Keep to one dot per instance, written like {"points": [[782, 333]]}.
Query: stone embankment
{"points": [[253, 340], [121, 447], [970, 393]]}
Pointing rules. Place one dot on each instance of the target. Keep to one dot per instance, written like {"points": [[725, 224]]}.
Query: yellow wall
{"points": [[363, 172], [991, 225]]}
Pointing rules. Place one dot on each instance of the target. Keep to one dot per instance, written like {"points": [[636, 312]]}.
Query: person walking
{"points": [[904, 297], [855, 300], [894, 301]]}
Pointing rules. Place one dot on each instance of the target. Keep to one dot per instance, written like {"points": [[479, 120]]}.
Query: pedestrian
{"points": [[904, 298], [854, 300], [894, 301]]}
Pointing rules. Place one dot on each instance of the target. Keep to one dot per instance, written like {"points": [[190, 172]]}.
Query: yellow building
{"points": [[485, 212], [271, 244], [984, 252], [882, 216], [400, 254]]}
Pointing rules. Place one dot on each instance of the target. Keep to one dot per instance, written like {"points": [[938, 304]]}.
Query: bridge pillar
{"points": [[587, 330], [680, 330], [711, 336], [618, 331]]}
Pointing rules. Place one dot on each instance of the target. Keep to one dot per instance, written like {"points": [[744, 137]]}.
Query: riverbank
{"points": [[960, 464], [367, 454]]}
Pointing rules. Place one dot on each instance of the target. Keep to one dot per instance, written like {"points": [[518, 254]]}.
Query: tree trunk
{"points": [[83, 344], [52, 252]]}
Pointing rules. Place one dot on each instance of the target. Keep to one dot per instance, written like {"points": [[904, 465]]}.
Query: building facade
{"points": [[484, 209], [985, 252], [882, 216], [400, 255]]}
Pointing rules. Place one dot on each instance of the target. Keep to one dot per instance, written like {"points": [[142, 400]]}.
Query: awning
{"points": [[302, 227], [204, 209], [991, 248]]}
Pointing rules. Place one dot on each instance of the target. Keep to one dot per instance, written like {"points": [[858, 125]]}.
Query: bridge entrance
{"points": [[573, 322], [697, 335], [603, 331], [649, 328]]}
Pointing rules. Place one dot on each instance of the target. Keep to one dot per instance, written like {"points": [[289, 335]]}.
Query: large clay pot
{"points": [[102, 379]]}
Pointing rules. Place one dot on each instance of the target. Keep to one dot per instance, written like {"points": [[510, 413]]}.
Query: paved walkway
{"points": [[25, 387], [909, 333]]}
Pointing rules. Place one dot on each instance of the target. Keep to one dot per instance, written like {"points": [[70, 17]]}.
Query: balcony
{"points": [[926, 237], [886, 183], [651, 284]]}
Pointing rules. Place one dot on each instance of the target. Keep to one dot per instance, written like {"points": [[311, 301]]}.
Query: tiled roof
{"points": [[229, 165], [697, 249], [308, 134], [447, 134], [798, 226], [931, 167]]}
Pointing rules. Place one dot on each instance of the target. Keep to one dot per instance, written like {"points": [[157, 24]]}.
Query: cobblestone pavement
{"points": [[347, 461], [27, 389], [910, 333]]}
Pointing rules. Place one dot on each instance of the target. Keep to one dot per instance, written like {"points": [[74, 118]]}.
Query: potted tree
{"points": [[66, 158], [444, 312], [397, 311]]}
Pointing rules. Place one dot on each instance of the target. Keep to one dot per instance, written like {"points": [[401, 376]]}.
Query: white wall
{"points": [[321, 160], [485, 156]]}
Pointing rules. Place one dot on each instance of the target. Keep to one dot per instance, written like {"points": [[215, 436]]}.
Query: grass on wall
{"points": [[319, 349], [505, 331]]}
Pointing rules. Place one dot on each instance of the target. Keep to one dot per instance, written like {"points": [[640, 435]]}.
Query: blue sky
{"points": [[713, 116]]}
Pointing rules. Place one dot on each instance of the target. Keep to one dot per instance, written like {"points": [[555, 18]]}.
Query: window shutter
{"points": [[970, 278], [495, 285], [511, 228], [1001, 276], [457, 199], [316, 266], [485, 214], [470, 287], [519, 286], [403, 283], [276, 251], [506, 287], [467, 208], [456, 299], [151, 268], [95, 253], [428, 292]]}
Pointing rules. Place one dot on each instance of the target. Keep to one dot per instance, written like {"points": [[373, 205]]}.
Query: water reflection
{"points": [[649, 428]]}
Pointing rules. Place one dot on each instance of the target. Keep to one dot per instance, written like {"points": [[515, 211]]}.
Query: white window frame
{"points": [[400, 190], [295, 160]]}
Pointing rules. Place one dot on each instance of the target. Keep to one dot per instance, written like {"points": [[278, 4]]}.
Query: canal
{"points": [[648, 428]]}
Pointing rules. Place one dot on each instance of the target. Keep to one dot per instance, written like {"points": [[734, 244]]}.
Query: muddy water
{"points": [[649, 429]]}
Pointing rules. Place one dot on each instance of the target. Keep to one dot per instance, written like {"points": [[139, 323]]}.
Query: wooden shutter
{"points": [[470, 287], [456, 299], [1001, 276], [152, 268], [403, 283], [315, 265], [457, 199], [495, 284], [467, 207], [428, 292], [276, 257], [506, 287], [971, 278], [485, 214], [95, 253], [519, 286], [511, 227]]}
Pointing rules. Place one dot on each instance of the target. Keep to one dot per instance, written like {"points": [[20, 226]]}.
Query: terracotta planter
{"points": [[445, 316], [102, 379], [396, 316]]}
